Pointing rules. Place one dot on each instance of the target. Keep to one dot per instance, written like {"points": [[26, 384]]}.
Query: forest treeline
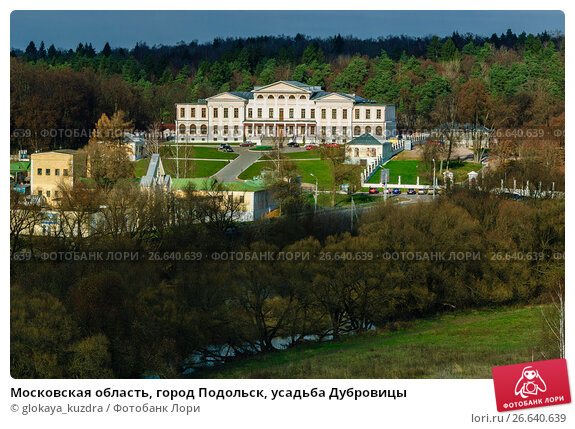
{"points": [[56, 95], [148, 315]]}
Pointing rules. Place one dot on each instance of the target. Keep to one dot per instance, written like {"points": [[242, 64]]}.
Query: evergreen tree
{"points": [[31, 51], [449, 50], [434, 49], [42, 50], [107, 51]]}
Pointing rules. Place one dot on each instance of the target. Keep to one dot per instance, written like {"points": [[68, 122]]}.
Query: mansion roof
{"points": [[315, 93], [367, 139]]}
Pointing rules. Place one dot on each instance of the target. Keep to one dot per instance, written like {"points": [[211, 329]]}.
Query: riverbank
{"points": [[455, 345]]}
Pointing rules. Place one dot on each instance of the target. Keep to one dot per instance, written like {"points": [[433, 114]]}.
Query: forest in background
{"points": [[502, 81]]}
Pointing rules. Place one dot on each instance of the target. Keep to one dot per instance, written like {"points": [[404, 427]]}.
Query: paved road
{"points": [[231, 171]]}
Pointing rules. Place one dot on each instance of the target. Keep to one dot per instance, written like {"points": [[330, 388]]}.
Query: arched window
{"points": [[356, 131], [378, 131], [368, 130], [302, 97], [193, 129], [204, 129], [292, 97], [270, 97], [182, 129], [260, 97], [281, 97]]}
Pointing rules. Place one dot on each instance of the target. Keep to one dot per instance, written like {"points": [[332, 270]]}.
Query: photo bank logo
{"points": [[530, 385]]}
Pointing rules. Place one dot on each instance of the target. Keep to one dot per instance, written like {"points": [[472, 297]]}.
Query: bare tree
{"points": [[554, 318], [76, 209], [216, 208], [154, 138], [24, 216]]}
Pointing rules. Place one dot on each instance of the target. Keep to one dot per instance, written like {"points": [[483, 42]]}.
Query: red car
{"points": [[309, 147], [373, 191], [333, 145], [246, 144]]}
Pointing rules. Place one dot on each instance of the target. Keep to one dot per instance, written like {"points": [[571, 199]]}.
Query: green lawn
{"points": [[319, 168], [255, 169], [196, 152], [461, 169], [408, 170], [192, 169], [189, 169], [141, 167], [341, 200], [308, 154], [456, 345]]}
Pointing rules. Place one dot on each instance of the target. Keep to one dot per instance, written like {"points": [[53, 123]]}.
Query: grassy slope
{"points": [[255, 169], [321, 169], [408, 171], [196, 152], [457, 345]]}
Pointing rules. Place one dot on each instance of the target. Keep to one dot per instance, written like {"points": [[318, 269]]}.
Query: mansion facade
{"points": [[284, 109]]}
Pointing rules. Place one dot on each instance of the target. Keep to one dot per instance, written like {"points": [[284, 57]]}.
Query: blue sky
{"points": [[124, 28]]}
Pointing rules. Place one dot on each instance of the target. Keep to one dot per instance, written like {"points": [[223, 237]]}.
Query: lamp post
{"points": [[315, 196]]}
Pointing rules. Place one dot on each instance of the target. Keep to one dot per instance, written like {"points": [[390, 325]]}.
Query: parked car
{"points": [[332, 145], [373, 191], [246, 144], [411, 191], [422, 192], [396, 191], [309, 147], [225, 148], [293, 144]]}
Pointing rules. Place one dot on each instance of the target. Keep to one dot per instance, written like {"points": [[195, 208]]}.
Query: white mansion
{"points": [[289, 109]]}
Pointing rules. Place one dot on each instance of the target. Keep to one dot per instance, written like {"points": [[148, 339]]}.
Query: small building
{"points": [[254, 200], [134, 144], [156, 176], [366, 149], [50, 170], [20, 172], [168, 131]]}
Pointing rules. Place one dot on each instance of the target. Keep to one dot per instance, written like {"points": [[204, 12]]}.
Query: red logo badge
{"points": [[530, 385]]}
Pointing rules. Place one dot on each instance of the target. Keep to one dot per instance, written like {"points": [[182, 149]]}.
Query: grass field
{"points": [[341, 200], [141, 167], [408, 170], [456, 345], [321, 169], [461, 169], [197, 152], [189, 169], [307, 154], [255, 169]]}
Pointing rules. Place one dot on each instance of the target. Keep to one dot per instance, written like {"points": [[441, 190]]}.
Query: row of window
{"points": [[281, 97], [369, 152], [357, 130], [48, 172], [48, 193], [291, 112]]}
